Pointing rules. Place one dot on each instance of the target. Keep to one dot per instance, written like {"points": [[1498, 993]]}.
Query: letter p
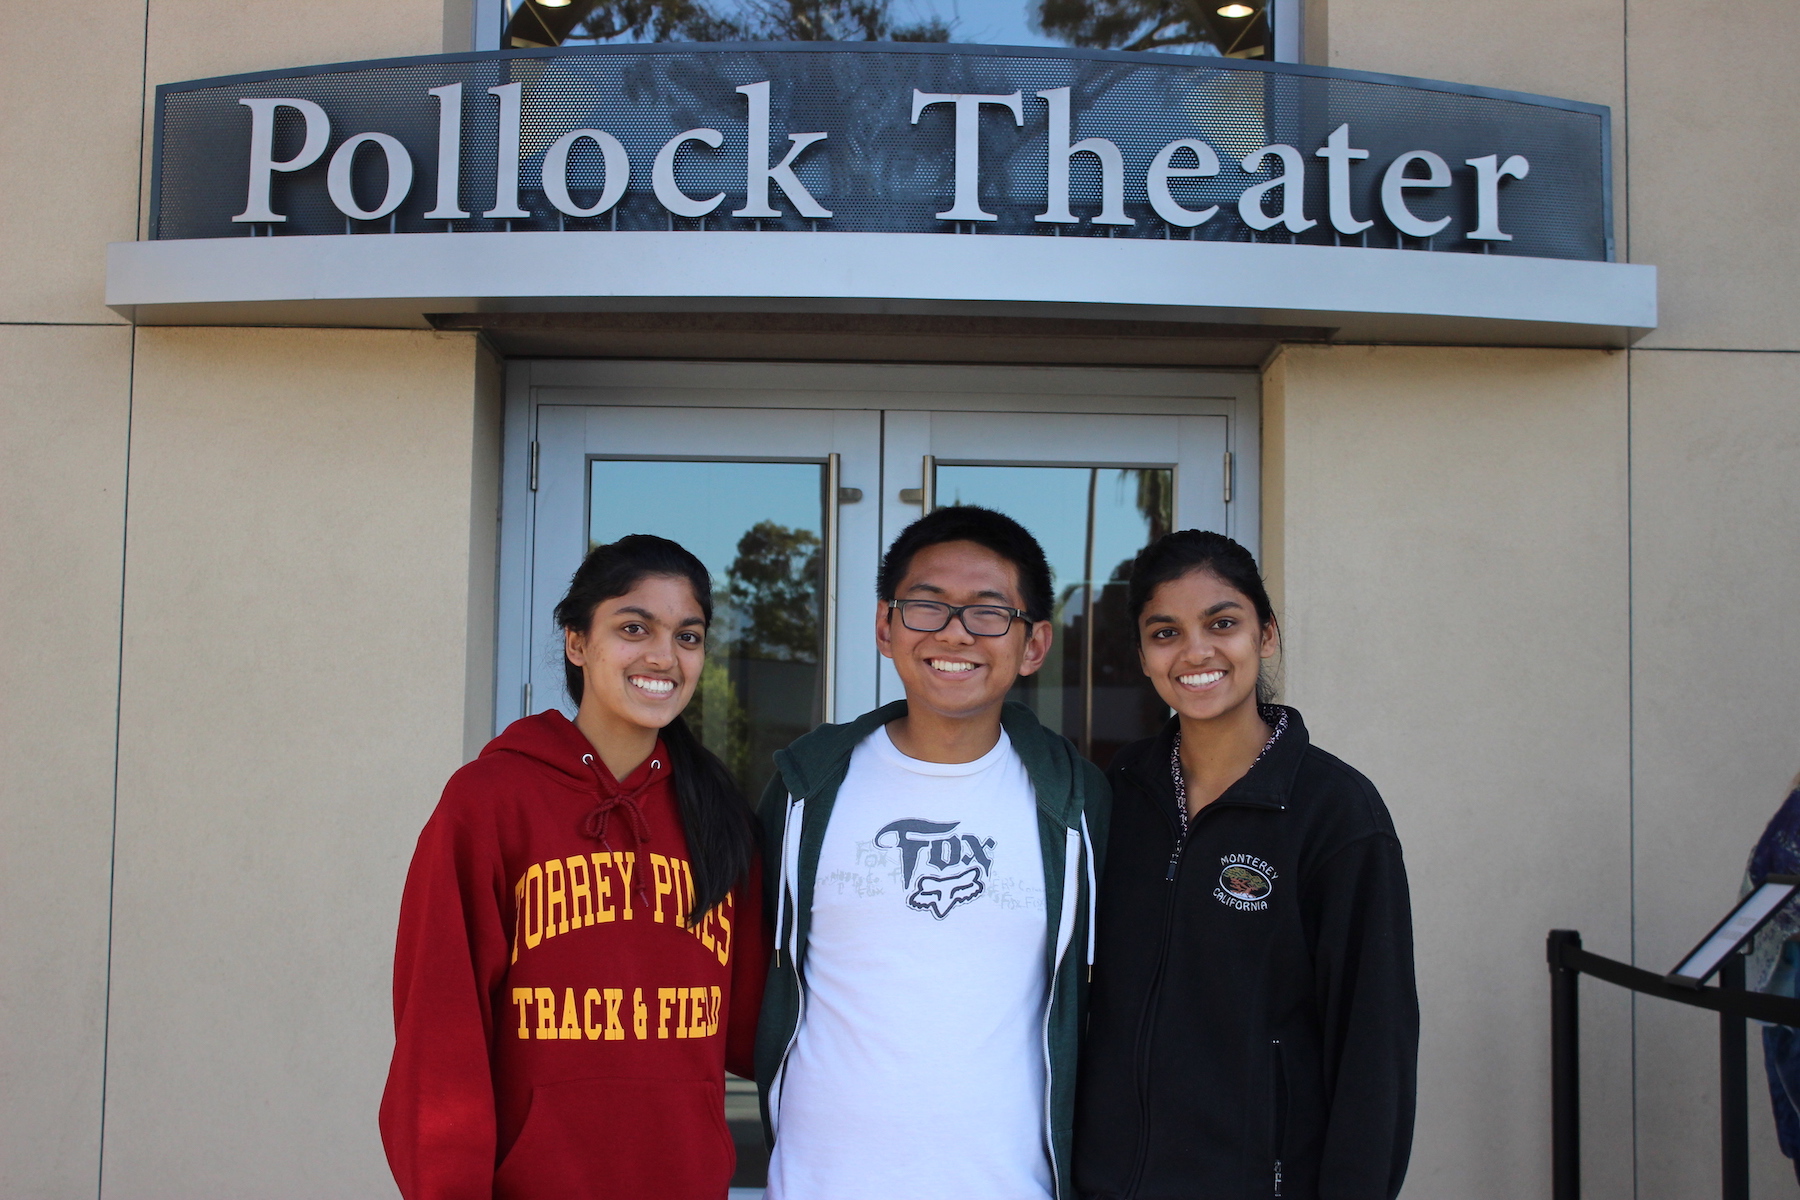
{"points": [[262, 150]]}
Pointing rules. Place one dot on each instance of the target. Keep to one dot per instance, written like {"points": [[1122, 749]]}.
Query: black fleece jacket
{"points": [[1254, 1026]]}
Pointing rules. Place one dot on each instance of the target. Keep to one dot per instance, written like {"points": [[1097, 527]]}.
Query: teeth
{"points": [[954, 668], [1201, 679], [656, 687]]}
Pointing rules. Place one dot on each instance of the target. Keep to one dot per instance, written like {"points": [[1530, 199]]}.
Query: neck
{"points": [[935, 737], [1217, 751], [621, 745]]}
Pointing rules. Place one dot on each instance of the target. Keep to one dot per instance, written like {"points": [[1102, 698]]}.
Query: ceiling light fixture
{"points": [[554, 3], [1234, 11]]}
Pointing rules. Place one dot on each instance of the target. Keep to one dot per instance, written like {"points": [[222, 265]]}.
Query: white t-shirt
{"points": [[918, 1067]]}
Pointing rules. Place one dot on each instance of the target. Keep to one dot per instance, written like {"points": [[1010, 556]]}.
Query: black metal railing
{"points": [[1568, 962]]}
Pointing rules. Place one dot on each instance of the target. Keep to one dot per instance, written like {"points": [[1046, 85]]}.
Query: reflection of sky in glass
{"points": [[706, 506], [1052, 503], [976, 22], [1049, 501]]}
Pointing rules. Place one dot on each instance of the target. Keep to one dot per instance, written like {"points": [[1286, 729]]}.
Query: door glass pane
{"points": [[1092, 521], [760, 529]]}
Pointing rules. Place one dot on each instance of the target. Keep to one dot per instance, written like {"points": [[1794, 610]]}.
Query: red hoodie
{"points": [[561, 1031]]}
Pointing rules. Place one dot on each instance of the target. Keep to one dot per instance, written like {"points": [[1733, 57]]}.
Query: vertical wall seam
{"points": [[1630, 605], [112, 854]]}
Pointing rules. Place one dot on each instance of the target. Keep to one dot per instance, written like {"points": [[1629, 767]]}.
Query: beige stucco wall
{"points": [[297, 647], [73, 140], [1452, 571], [63, 423], [1716, 613]]}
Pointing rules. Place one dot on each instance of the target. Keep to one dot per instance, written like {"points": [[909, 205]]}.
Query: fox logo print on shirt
{"points": [[961, 863]]}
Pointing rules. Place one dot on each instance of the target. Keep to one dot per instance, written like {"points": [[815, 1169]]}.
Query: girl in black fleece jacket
{"points": [[1253, 1024]]}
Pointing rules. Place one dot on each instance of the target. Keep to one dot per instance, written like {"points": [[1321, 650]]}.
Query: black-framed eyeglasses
{"points": [[982, 620]]}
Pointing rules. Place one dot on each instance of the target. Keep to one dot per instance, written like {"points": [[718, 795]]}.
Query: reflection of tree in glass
{"points": [[719, 718], [1131, 708], [773, 589], [1158, 25], [730, 21], [759, 689]]}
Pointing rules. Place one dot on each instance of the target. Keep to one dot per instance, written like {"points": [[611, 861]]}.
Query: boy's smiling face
{"points": [[952, 673]]}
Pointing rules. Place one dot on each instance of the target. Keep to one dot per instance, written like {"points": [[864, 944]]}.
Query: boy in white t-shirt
{"points": [[931, 876]]}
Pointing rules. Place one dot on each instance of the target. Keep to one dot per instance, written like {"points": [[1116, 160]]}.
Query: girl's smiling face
{"points": [[641, 654], [1201, 644]]}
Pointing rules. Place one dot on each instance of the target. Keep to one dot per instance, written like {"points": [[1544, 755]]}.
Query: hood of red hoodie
{"points": [[552, 741]]}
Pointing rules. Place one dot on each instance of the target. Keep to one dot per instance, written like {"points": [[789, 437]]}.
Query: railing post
{"points": [[1565, 1068], [1734, 1092]]}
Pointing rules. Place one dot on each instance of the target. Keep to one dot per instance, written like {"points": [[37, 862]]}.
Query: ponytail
{"points": [[721, 834]]}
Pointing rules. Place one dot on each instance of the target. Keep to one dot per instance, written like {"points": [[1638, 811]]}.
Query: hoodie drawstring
{"points": [[790, 860], [595, 824], [1087, 848]]}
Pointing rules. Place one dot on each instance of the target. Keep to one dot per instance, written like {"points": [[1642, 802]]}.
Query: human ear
{"points": [[1271, 639], [575, 646], [884, 634], [1037, 647]]}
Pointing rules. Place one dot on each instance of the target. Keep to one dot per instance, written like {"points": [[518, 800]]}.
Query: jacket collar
{"points": [[815, 761], [1267, 784]]}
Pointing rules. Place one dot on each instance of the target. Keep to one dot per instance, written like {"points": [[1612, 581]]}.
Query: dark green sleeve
{"points": [[770, 813], [1098, 808]]}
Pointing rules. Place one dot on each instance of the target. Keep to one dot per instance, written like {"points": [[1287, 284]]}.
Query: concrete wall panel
{"points": [[64, 411], [196, 39], [69, 140], [1716, 614], [296, 642], [1713, 176], [1453, 570]]}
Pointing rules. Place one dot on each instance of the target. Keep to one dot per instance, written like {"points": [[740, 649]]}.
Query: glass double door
{"points": [[791, 508]]}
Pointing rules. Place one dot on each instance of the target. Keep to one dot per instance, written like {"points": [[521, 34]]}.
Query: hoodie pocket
{"points": [[1279, 1115], [621, 1139]]}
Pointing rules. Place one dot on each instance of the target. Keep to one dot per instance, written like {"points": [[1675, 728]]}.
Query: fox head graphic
{"points": [[938, 894]]}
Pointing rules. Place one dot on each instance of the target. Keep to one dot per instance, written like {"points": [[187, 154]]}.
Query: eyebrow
{"points": [[1166, 619], [652, 617], [984, 594]]}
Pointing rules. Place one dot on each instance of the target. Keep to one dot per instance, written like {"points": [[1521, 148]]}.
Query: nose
{"points": [[956, 632], [660, 652]]}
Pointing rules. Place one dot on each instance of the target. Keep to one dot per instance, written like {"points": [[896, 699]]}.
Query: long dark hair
{"points": [[1184, 551], [721, 833]]}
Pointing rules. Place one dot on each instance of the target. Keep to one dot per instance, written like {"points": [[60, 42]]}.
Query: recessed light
{"points": [[566, 3], [1233, 11]]}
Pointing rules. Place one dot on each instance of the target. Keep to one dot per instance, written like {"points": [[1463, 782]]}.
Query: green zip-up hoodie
{"points": [[1073, 804]]}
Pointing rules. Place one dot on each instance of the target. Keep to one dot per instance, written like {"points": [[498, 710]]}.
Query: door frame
{"points": [[533, 383]]}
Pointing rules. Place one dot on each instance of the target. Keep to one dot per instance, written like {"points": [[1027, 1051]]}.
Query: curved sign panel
{"points": [[882, 139]]}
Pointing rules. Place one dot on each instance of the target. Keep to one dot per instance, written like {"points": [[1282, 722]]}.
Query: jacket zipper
{"points": [[789, 841], [1281, 1107], [1144, 1017], [1065, 929], [1150, 998]]}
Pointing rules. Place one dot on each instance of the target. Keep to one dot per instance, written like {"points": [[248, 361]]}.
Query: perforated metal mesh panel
{"points": [[877, 171]]}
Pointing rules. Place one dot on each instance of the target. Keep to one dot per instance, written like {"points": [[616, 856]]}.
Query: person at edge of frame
{"points": [[581, 951], [931, 883], [1774, 967], [1255, 1024]]}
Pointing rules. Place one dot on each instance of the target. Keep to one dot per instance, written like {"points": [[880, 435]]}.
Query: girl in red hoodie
{"points": [[581, 952]]}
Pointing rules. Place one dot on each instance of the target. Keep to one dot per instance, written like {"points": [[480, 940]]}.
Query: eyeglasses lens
{"points": [[928, 616]]}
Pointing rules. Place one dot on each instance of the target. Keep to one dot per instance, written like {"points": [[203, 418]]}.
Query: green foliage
{"points": [[720, 21], [717, 716], [1154, 25], [773, 588]]}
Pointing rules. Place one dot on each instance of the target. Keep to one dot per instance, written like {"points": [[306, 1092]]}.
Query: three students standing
{"points": [[930, 876]]}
